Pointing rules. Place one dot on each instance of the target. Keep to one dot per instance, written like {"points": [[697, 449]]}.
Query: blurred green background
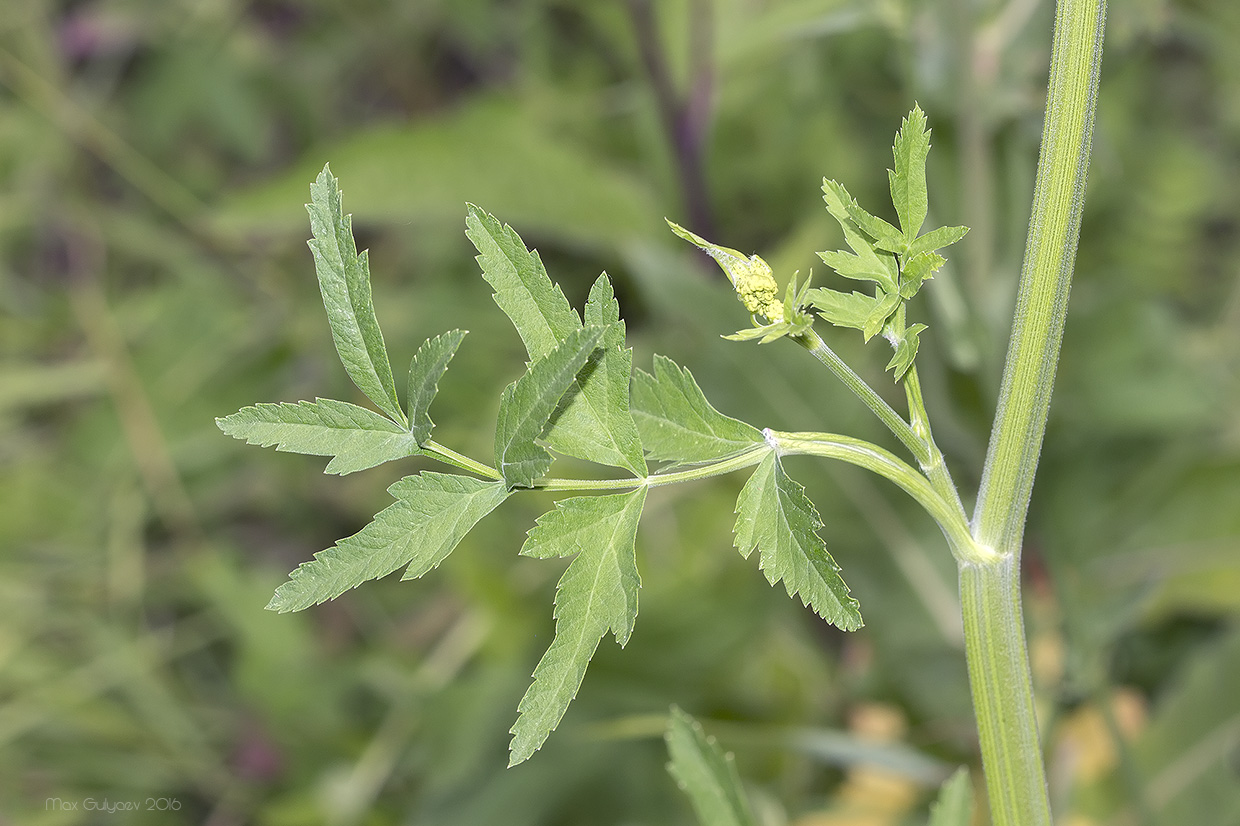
{"points": [[154, 157]]}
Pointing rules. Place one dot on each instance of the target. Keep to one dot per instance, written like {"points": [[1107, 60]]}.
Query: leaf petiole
{"points": [[887, 415], [451, 457], [873, 458], [746, 458]]}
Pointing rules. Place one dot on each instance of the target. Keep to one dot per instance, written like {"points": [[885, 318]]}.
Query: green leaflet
{"points": [[527, 404], [676, 422], [908, 179], [432, 513], [344, 281], [593, 419], [919, 269], [936, 239], [425, 370], [774, 514], [954, 806], [538, 309], [596, 595], [842, 309], [355, 438], [906, 350], [865, 265], [845, 208], [883, 309], [705, 773]]}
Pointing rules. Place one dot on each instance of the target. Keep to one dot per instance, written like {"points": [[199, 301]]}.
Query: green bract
{"points": [[751, 277]]}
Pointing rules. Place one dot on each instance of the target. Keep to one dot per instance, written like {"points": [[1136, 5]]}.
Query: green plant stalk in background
{"points": [[990, 593]]}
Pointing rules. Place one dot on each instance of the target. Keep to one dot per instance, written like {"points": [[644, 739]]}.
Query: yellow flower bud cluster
{"points": [[755, 284], [751, 277]]}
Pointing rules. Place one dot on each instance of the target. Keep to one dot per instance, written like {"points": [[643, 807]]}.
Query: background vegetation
{"points": [[154, 155]]}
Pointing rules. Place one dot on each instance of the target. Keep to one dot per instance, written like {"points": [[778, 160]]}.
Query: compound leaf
{"points": [[706, 774], [538, 309], [676, 422], [425, 370], [954, 806], [908, 179], [593, 420], [355, 438], [527, 404], [774, 514], [596, 595], [432, 513], [344, 281]]}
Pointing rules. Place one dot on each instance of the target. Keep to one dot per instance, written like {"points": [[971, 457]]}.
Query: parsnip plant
{"points": [[580, 397]]}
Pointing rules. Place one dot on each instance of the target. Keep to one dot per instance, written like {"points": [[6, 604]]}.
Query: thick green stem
{"points": [[1042, 298], [990, 593], [1007, 725]]}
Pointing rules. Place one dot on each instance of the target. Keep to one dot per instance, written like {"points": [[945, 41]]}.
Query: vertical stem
{"points": [[990, 592], [1042, 298], [1002, 685]]}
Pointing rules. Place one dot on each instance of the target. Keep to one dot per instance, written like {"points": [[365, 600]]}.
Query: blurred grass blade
{"points": [[706, 774], [344, 279], [488, 149], [954, 806]]}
